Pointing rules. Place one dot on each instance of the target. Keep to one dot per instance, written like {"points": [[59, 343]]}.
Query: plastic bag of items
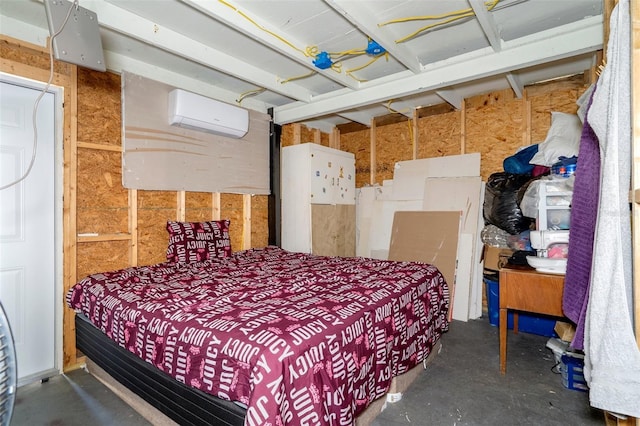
{"points": [[502, 202]]}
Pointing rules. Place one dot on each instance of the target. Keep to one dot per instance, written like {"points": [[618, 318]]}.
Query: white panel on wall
{"points": [[158, 156], [383, 211], [365, 199], [409, 176], [462, 194]]}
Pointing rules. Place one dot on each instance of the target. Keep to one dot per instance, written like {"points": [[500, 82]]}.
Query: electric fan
{"points": [[8, 374]]}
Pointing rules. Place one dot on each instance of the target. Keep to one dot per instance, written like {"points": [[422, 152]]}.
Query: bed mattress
{"points": [[296, 338]]}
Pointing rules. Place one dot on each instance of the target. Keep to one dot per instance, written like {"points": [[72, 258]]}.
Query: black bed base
{"points": [[181, 403]]}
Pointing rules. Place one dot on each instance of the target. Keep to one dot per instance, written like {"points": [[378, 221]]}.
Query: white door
{"points": [[27, 228]]}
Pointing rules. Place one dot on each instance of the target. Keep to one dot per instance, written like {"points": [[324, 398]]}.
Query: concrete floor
{"points": [[462, 387], [74, 399]]}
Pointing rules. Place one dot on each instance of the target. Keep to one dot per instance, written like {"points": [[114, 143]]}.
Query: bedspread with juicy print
{"points": [[299, 339]]}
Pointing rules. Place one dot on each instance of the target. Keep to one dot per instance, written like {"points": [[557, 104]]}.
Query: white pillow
{"points": [[563, 139]]}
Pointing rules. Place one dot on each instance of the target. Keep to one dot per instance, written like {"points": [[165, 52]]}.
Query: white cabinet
{"points": [[315, 175]]}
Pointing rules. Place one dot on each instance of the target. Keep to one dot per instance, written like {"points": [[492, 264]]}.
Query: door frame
{"points": [[58, 93]]}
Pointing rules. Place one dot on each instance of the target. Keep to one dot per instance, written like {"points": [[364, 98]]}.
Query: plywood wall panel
{"points": [[157, 200], [154, 209], [439, 135], [325, 139], [299, 133], [393, 144], [259, 221], [565, 101], [103, 221], [99, 107], [153, 237], [540, 117], [102, 256], [198, 206], [309, 135], [359, 144], [231, 208], [26, 53], [494, 128], [287, 136], [545, 102], [102, 203]]}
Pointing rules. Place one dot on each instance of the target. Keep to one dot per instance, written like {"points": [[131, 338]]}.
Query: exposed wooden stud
{"points": [[297, 132], [372, 139], [317, 136], [334, 138], [215, 206], [100, 147], [463, 128], [526, 130], [103, 237], [133, 227], [246, 221], [415, 133], [181, 209], [69, 217]]}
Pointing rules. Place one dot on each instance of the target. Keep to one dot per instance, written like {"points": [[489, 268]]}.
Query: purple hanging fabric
{"points": [[584, 211]]}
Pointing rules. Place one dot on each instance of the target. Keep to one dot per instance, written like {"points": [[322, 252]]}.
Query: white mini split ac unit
{"points": [[198, 112]]}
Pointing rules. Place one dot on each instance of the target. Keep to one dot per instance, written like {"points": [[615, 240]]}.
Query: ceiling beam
{"points": [[451, 96], [228, 16], [486, 21], [146, 31], [563, 42], [363, 118], [357, 13], [120, 63], [516, 84]]}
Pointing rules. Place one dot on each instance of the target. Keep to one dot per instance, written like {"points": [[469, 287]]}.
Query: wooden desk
{"points": [[530, 291]]}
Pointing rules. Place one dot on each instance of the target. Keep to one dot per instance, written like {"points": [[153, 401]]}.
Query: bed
{"points": [[262, 336]]}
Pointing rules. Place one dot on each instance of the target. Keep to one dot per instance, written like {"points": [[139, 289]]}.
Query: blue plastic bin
{"points": [[527, 322], [572, 375]]}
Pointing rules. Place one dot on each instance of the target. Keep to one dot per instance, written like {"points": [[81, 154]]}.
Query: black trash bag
{"points": [[502, 202]]}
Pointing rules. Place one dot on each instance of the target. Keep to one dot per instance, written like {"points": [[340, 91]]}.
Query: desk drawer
{"points": [[531, 291]]}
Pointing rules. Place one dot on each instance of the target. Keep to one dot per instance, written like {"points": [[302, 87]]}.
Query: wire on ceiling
{"points": [[300, 77], [374, 59], [452, 17], [260, 27], [249, 93], [321, 59]]}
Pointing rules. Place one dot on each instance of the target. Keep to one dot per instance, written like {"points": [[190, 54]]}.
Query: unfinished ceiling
{"points": [[329, 62]]}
